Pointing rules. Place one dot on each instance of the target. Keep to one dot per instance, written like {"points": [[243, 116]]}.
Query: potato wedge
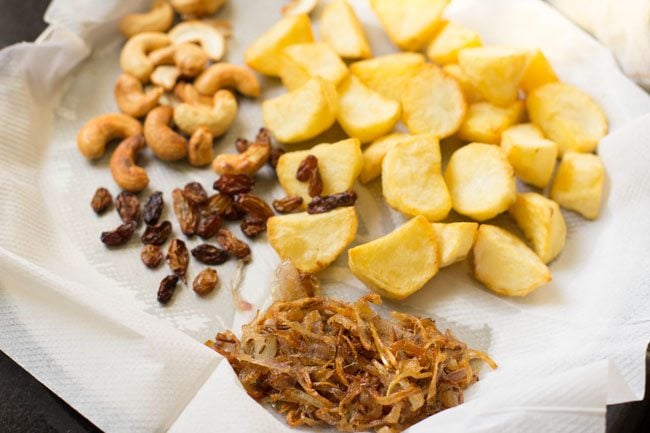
{"points": [[494, 71], [312, 242], [538, 72], [505, 265], [363, 113], [531, 155], [339, 164], [567, 116], [411, 179], [341, 29], [399, 263], [265, 54], [409, 24], [455, 241], [486, 122], [578, 184], [388, 74], [470, 92], [433, 103], [302, 113], [449, 39], [373, 155], [481, 181], [301, 62]]}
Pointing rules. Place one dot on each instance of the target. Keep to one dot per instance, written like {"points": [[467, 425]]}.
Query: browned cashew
{"points": [[190, 59], [165, 76], [226, 75], [186, 92], [132, 99], [197, 7], [199, 151], [210, 39], [127, 175], [134, 59], [93, 136], [247, 162], [165, 143], [218, 118], [159, 19]]}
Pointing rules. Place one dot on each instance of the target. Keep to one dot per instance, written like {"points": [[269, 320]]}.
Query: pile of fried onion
{"points": [[323, 361]]}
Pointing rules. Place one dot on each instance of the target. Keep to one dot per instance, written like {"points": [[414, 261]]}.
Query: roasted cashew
{"points": [[197, 7], [132, 99], [226, 75], [165, 76], [93, 136], [165, 143], [127, 175], [218, 118], [190, 58], [199, 149], [159, 19], [134, 60], [210, 39], [247, 162], [186, 92]]}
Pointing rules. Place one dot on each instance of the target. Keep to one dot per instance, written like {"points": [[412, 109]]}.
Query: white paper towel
{"points": [[85, 321]]}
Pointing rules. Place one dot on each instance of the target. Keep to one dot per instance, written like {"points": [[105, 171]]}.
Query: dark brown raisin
{"points": [[101, 201], [308, 172], [253, 226], [119, 236], [253, 205], [158, 234], [263, 136], [232, 184], [128, 207], [153, 208], [322, 204], [186, 213], [242, 145], [167, 288], [210, 255], [195, 193], [209, 226], [217, 203], [233, 245], [274, 157], [151, 256], [233, 213], [287, 204], [206, 281], [178, 258]]}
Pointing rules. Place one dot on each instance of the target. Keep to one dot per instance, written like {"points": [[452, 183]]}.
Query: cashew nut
{"points": [[186, 92], [159, 19], [134, 60], [247, 162], [127, 175], [132, 99], [190, 58], [165, 143], [299, 7], [210, 39], [165, 76], [93, 136], [218, 118], [226, 75], [199, 151], [197, 7]]}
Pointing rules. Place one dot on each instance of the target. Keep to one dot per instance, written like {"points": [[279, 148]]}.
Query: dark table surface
{"points": [[28, 406]]}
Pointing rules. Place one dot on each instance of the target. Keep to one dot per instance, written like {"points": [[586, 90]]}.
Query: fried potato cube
{"points": [[363, 113], [531, 155], [373, 155], [339, 165], [542, 222], [567, 116], [265, 54], [301, 62], [411, 179], [505, 265], [312, 242], [578, 184], [481, 181], [486, 122], [399, 263], [538, 72], [470, 92], [388, 74], [433, 103], [494, 71], [409, 24], [342, 30], [449, 39], [303, 113], [455, 241]]}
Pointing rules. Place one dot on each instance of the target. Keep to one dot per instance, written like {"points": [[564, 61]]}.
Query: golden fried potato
{"points": [[399, 263], [388, 74], [455, 241], [341, 29], [301, 62], [481, 181], [567, 116], [312, 242], [449, 39], [505, 265], [411, 180], [265, 53], [486, 122], [470, 92], [363, 113], [433, 103], [578, 184], [373, 155], [302, 113], [531, 155], [494, 71], [538, 72]]}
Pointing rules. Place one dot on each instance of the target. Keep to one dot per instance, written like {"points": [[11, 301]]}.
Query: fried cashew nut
{"points": [[210, 39], [127, 175], [197, 8], [226, 75], [247, 162], [133, 58], [186, 92], [165, 143], [93, 136], [199, 151], [159, 19], [131, 97], [165, 76], [189, 58], [218, 118]]}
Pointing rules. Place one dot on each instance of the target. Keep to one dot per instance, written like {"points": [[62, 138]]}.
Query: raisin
{"points": [[242, 145], [217, 203], [263, 136], [274, 157], [167, 288], [151, 256], [253, 226], [209, 226], [101, 201], [308, 172], [253, 205], [210, 255], [128, 207], [186, 213], [195, 193], [322, 204], [178, 258], [232, 184], [206, 281], [287, 204], [233, 245], [119, 236], [153, 208], [158, 234]]}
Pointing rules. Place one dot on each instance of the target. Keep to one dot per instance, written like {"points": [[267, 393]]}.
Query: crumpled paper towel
{"points": [[85, 320]]}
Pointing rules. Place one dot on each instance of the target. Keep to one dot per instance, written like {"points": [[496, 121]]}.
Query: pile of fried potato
{"points": [[506, 106]]}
